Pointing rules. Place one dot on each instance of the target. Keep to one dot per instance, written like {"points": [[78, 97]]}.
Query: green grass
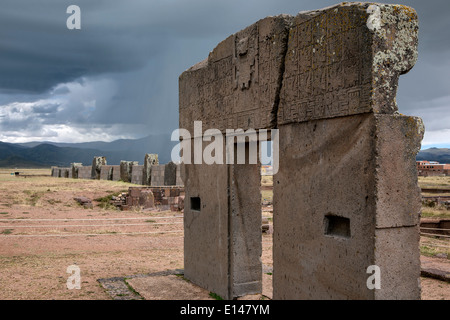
{"points": [[34, 197], [215, 296], [181, 276], [132, 289], [7, 231], [267, 195], [430, 251], [105, 202], [432, 210], [3, 212]]}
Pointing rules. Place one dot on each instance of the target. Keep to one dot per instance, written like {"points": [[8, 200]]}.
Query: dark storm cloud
{"points": [[118, 75], [37, 51]]}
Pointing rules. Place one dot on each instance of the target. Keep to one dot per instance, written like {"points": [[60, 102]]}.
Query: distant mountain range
{"points": [[46, 154], [441, 155]]}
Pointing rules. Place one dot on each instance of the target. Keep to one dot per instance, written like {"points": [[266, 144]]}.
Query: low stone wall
{"points": [[163, 198], [129, 171], [84, 172]]}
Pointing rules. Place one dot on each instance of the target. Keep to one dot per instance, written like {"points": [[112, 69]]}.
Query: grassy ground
{"points": [[434, 182], [437, 211]]}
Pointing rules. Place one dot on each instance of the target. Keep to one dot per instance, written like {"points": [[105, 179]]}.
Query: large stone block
{"points": [[170, 174], [137, 174], [333, 193], [157, 175], [238, 84], [222, 218], [106, 172], [149, 161], [398, 256], [74, 167], [97, 164], [126, 169], [54, 172], [84, 172], [346, 60], [115, 173]]}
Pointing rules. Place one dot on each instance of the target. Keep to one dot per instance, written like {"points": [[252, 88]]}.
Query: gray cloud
{"points": [[118, 75]]}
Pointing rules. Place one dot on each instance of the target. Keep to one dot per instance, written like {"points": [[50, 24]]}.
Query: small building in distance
{"points": [[432, 168]]}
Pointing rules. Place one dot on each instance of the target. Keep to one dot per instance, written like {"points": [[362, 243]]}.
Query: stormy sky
{"points": [[117, 77]]}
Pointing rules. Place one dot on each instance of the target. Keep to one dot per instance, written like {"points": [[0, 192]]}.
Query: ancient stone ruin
{"points": [[97, 165], [345, 195], [151, 173]]}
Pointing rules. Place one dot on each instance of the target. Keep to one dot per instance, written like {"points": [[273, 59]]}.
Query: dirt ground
{"points": [[43, 231]]}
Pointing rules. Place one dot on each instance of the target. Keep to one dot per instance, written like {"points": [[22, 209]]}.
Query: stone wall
{"points": [[85, 172], [106, 172], [115, 173], [157, 178], [137, 174], [128, 171]]}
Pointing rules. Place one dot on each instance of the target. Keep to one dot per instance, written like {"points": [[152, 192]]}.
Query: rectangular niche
{"points": [[196, 204], [337, 226]]}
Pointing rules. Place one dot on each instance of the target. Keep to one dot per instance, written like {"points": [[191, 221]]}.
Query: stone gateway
{"points": [[345, 195]]}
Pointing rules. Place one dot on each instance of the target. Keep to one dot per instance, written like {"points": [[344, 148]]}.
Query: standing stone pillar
{"points": [[126, 168], [97, 164], [170, 174], [235, 88], [346, 200], [149, 161], [74, 167]]}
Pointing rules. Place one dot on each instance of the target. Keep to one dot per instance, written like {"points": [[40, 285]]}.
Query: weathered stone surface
{"points": [[398, 256], [106, 172], [170, 174], [206, 244], [97, 164], [137, 174], [126, 169], [84, 172], [179, 181], [74, 168], [344, 168], [237, 85], [146, 199], [398, 194], [157, 175], [54, 172], [85, 202], [346, 60], [115, 173], [222, 215], [149, 161]]}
